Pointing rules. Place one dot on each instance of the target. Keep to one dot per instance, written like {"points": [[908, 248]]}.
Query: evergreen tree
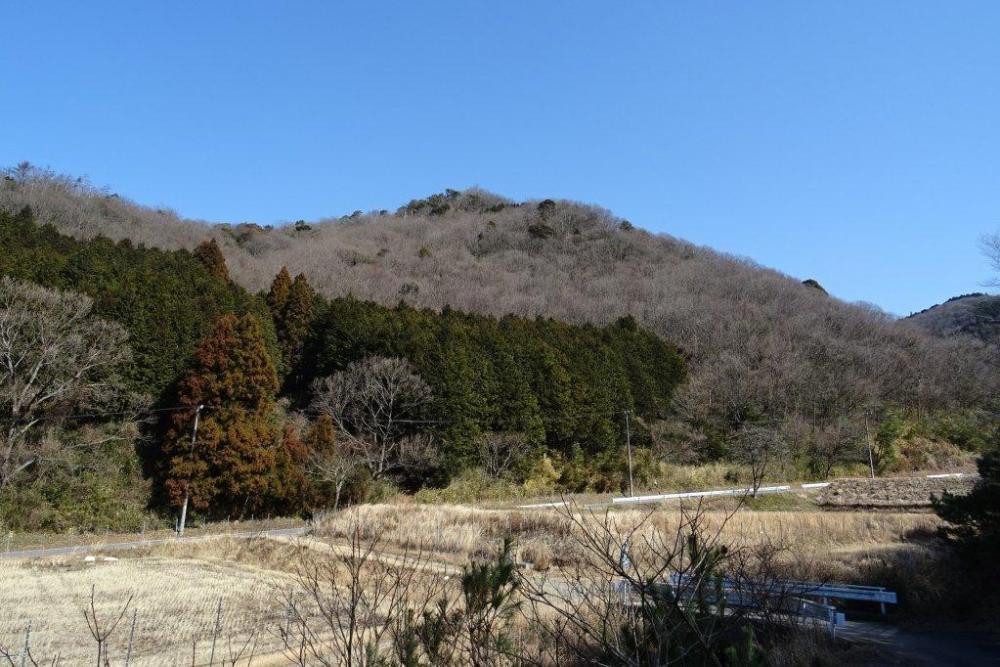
{"points": [[295, 319], [209, 254], [291, 304], [292, 489], [974, 519], [229, 471], [321, 438], [277, 297]]}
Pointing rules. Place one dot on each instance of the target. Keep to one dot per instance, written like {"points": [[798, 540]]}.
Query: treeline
{"points": [[167, 300], [557, 384], [310, 401]]}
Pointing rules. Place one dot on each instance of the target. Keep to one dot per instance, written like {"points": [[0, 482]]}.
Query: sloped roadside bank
{"points": [[895, 493]]}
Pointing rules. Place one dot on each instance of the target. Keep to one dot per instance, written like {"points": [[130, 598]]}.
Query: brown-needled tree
{"points": [[229, 469]]}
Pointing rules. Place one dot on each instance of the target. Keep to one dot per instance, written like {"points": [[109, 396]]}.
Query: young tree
{"points": [[55, 358], [209, 254], [329, 464], [758, 448], [228, 470], [373, 403]]}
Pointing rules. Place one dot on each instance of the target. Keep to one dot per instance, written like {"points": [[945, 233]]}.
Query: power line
{"points": [[111, 413]]}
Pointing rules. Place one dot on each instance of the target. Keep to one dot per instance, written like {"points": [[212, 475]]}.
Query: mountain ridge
{"points": [[976, 314]]}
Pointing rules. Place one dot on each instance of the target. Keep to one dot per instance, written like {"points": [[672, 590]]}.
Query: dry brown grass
{"points": [[178, 586], [459, 533], [176, 598]]}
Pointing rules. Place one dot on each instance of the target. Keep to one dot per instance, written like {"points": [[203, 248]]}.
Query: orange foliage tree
{"points": [[231, 469]]}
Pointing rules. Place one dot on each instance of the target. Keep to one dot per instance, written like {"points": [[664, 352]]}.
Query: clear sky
{"points": [[855, 142]]}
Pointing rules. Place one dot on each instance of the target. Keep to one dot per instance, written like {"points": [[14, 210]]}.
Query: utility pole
{"points": [[628, 447], [868, 437], [187, 486]]}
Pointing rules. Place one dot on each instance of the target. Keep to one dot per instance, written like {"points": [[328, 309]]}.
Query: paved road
{"points": [[926, 647], [120, 546]]}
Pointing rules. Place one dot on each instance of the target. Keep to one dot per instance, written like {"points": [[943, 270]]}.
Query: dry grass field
{"points": [[459, 533], [176, 589], [175, 600]]}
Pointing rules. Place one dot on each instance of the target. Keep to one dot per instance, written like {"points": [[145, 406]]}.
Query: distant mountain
{"points": [[975, 314], [760, 344]]}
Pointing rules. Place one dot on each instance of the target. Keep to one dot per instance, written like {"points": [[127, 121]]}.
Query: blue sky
{"points": [[855, 142]]}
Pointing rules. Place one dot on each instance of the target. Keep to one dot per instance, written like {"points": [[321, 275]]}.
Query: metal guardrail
{"points": [[803, 599], [811, 589], [808, 589], [753, 600]]}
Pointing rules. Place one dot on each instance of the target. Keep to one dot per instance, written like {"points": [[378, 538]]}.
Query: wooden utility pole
{"points": [[187, 486], [868, 437], [628, 447]]}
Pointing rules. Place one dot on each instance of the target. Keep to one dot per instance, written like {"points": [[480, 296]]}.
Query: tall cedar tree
{"points": [[291, 305], [209, 254], [277, 297], [295, 322], [232, 465]]}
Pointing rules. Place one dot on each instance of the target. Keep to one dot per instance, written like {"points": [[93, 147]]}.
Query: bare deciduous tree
{"points": [[334, 467], [758, 448], [102, 630], [500, 452], [990, 244], [374, 403], [56, 357], [347, 607]]}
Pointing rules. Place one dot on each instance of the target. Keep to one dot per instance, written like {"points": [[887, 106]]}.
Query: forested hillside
{"points": [[462, 332], [976, 315], [759, 343], [305, 401]]}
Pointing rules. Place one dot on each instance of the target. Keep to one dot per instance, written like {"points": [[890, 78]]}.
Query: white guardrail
{"points": [[745, 491], [718, 492]]}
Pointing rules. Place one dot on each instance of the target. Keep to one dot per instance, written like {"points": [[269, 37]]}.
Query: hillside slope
{"points": [[759, 342], [975, 315]]}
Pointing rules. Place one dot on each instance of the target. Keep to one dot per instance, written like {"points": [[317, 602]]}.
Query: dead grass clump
{"points": [[447, 529], [261, 553]]}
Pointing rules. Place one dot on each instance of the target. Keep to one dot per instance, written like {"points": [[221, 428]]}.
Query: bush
{"points": [[974, 519]]}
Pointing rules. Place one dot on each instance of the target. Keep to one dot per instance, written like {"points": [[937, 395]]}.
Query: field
{"points": [[233, 593], [175, 600]]}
